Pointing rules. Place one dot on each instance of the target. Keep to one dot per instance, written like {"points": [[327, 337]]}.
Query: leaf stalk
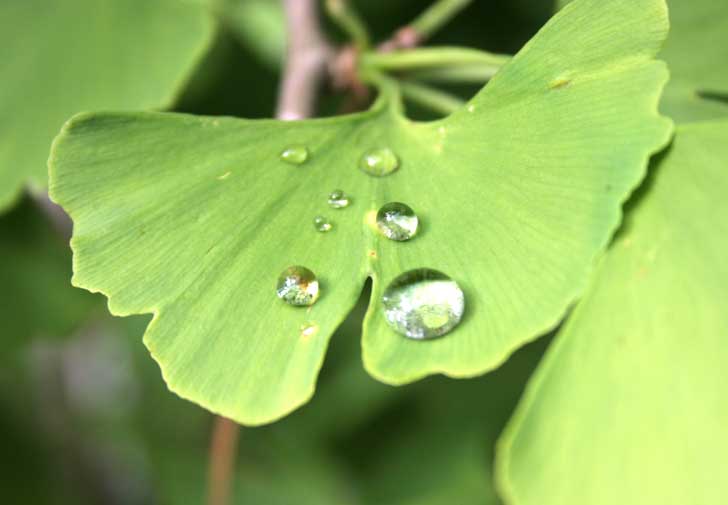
{"points": [[341, 12], [431, 98], [436, 16]]}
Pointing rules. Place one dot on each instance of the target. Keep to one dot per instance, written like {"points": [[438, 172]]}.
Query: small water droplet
{"points": [[298, 286], [379, 162], [397, 221], [322, 224], [470, 108], [309, 330], [423, 304], [338, 199], [295, 155]]}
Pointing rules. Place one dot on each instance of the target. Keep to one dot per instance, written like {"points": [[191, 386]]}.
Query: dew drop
{"points": [[295, 155], [423, 303], [397, 221], [309, 330], [338, 199], [298, 286], [470, 108], [322, 224], [379, 162]]}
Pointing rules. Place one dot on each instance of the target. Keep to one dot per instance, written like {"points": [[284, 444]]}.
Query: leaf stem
{"points": [[434, 99], [223, 448], [462, 74], [436, 16], [424, 26], [349, 21], [434, 57]]}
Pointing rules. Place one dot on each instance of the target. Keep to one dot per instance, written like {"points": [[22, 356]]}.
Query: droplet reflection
{"points": [[423, 304], [298, 286]]}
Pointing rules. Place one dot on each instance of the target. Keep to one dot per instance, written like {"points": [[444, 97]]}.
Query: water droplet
{"points": [[309, 330], [379, 162], [423, 304], [295, 155], [298, 285], [322, 224], [338, 199], [397, 221], [470, 108]]}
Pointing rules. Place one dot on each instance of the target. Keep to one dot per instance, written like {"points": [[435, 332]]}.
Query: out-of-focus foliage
{"points": [[60, 57], [36, 300]]}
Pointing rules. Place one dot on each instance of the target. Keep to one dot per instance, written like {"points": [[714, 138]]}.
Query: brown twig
{"points": [[306, 60], [223, 450]]}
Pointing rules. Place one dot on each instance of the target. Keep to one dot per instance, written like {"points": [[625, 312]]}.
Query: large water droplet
{"points": [[298, 285], [322, 224], [423, 304], [338, 199], [295, 155], [397, 221], [379, 162]]}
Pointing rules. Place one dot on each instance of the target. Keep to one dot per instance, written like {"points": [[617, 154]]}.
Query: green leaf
{"points": [[193, 218], [61, 57], [695, 52], [629, 405]]}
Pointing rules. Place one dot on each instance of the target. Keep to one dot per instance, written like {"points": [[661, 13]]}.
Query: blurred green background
{"points": [[85, 417]]}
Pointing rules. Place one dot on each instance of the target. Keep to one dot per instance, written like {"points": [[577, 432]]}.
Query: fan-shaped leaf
{"points": [[193, 218]]}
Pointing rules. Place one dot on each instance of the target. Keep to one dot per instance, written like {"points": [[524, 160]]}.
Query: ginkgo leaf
{"points": [[61, 57], [695, 52], [629, 405], [193, 218]]}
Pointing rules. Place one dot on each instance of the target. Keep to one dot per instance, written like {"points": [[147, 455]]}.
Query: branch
{"points": [[306, 59], [223, 448], [307, 55]]}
